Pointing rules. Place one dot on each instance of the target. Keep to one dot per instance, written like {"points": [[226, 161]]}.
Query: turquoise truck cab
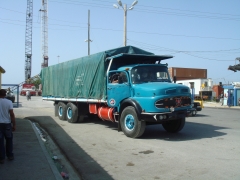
{"points": [[147, 92]]}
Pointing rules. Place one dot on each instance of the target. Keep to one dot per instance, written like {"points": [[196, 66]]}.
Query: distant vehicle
{"points": [[10, 96], [31, 88], [197, 106]]}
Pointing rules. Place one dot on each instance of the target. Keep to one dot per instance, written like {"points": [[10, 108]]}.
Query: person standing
{"points": [[222, 98], [28, 94], [7, 125]]}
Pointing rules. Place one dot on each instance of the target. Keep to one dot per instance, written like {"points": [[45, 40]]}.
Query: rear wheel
{"points": [[72, 113], [174, 126], [130, 124], [62, 111]]}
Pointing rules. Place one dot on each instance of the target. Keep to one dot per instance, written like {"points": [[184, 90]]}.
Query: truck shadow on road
{"points": [[96, 120], [83, 163], [201, 115], [191, 131]]}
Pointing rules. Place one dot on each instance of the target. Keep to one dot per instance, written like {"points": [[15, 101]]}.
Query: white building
{"points": [[198, 85]]}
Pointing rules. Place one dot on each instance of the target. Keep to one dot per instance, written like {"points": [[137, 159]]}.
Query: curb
{"points": [[50, 162]]}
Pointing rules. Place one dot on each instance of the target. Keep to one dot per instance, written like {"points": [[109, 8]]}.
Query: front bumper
{"points": [[163, 117]]}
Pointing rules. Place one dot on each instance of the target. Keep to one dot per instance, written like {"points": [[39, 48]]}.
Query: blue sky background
{"points": [[199, 34]]}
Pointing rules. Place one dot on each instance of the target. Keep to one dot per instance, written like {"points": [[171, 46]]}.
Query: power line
{"points": [[157, 11], [152, 33], [37, 16], [151, 11], [157, 7], [213, 51], [178, 51]]}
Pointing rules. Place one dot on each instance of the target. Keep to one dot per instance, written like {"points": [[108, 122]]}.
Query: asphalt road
{"points": [[208, 147]]}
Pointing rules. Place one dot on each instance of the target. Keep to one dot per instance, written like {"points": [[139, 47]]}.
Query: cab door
{"points": [[118, 90]]}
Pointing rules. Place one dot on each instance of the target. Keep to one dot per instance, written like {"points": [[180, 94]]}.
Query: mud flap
{"points": [[119, 125]]}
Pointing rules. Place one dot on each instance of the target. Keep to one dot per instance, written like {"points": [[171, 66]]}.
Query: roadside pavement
{"points": [[218, 105], [36, 156], [31, 157]]}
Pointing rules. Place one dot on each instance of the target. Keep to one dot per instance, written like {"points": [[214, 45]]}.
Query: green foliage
{"points": [[36, 81]]}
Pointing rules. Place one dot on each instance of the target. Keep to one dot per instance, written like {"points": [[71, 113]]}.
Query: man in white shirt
{"points": [[7, 125], [28, 94]]}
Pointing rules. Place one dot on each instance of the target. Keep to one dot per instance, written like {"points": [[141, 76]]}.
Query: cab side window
{"points": [[123, 78]]}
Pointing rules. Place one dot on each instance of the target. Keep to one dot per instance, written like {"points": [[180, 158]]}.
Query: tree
{"points": [[36, 80]]}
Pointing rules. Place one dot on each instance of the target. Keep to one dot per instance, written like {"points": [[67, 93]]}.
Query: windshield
{"points": [[144, 74]]}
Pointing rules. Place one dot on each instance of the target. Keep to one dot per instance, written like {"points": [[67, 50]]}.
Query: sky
{"points": [[199, 34]]}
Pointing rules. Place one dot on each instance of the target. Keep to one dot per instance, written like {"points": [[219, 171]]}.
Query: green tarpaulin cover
{"points": [[83, 77]]}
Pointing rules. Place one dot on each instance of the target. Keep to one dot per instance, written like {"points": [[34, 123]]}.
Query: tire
{"points": [[130, 124], [62, 111], [72, 113], [174, 125], [194, 113]]}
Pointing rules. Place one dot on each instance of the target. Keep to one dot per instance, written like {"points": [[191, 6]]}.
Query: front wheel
{"points": [[174, 126], [131, 126]]}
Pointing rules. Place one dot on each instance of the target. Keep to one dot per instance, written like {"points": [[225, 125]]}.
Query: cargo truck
{"points": [[126, 85], [31, 88]]}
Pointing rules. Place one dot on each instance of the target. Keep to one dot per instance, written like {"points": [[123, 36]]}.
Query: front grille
{"points": [[178, 101]]}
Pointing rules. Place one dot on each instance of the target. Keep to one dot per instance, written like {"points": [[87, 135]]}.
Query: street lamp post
{"points": [[58, 59], [125, 9]]}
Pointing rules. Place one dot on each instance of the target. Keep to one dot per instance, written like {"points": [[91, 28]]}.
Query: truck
{"points": [[125, 85], [31, 88]]}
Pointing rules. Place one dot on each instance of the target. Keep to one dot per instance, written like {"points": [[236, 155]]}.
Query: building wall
{"points": [[217, 89], [1, 72], [198, 84], [0, 80], [187, 73], [238, 97]]}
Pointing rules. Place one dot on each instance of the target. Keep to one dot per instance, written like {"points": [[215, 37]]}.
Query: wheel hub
{"points": [[129, 122], [69, 113]]}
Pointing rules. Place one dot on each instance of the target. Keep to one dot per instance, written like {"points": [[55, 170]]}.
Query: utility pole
{"points": [[88, 40]]}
